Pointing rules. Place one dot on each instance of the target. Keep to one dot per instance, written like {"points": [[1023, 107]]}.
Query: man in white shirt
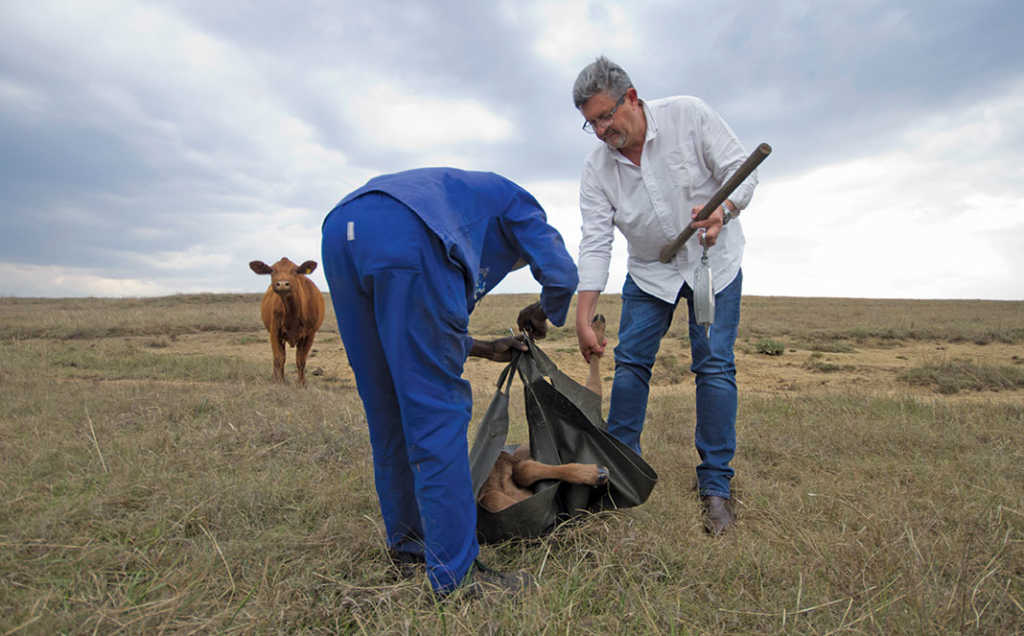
{"points": [[659, 163]]}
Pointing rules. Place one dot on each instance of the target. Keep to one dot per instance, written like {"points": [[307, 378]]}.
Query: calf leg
{"points": [[594, 378], [499, 490], [528, 471]]}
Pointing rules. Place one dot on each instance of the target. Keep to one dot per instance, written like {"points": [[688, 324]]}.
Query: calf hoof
{"points": [[602, 476]]}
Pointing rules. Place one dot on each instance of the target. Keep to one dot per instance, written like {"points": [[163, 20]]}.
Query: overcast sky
{"points": [[152, 148]]}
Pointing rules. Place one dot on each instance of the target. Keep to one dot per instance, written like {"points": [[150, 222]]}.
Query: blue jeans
{"points": [[644, 322]]}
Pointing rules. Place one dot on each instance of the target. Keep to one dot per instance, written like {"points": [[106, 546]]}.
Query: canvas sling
{"points": [[565, 425]]}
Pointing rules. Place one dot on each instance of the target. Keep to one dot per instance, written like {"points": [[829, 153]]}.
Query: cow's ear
{"points": [[260, 267], [307, 267]]}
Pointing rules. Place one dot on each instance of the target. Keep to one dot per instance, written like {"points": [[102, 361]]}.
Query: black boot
{"points": [[407, 564], [481, 579]]}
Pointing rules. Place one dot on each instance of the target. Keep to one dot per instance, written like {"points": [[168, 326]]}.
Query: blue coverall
{"points": [[406, 257]]}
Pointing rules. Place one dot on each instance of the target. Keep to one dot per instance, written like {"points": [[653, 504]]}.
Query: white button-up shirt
{"points": [[688, 153]]}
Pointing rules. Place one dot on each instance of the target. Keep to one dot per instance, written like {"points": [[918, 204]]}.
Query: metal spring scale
{"points": [[703, 293]]}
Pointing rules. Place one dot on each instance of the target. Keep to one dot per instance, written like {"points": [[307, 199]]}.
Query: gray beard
{"points": [[615, 142]]}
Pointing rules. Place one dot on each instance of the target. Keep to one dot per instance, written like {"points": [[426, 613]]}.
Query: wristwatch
{"points": [[727, 215]]}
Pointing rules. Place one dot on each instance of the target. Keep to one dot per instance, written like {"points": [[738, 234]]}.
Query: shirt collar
{"points": [[652, 126]]}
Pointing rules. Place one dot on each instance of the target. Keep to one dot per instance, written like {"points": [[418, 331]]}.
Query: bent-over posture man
{"points": [[406, 258], [660, 162]]}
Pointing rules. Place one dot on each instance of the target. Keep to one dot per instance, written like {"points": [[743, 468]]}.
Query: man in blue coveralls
{"points": [[406, 258]]}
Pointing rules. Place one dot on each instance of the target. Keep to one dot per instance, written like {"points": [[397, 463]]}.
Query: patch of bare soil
{"points": [[327, 362], [869, 370], [872, 369]]}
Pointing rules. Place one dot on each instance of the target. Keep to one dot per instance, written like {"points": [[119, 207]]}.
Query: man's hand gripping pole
{"points": [[760, 154]]}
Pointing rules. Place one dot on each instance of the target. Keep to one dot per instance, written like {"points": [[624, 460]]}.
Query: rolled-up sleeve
{"points": [[598, 232]]}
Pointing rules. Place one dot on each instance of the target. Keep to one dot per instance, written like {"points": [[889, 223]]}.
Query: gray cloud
{"points": [[171, 143]]}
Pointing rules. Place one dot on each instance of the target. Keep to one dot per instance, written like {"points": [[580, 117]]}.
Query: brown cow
{"points": [[292, 311]]}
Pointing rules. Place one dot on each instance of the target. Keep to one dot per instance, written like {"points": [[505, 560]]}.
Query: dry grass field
{"points": [[154, 480]]}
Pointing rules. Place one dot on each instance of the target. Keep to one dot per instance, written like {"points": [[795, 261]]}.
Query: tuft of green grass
{"points": [[770, 347], [953, 376], [817, 362]]}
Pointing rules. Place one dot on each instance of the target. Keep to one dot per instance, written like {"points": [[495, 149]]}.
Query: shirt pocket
{"points": [[682, 172]]}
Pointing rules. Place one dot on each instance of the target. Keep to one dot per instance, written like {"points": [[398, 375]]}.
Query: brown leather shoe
{"points": [[718, 516]]}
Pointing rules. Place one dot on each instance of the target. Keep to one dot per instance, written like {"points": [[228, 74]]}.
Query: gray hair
{"points": [[600, 76]]}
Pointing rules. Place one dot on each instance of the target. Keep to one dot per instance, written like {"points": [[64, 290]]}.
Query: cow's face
{"points": [[284, 274]]}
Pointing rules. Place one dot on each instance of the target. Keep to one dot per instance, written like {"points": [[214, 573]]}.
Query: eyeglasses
{"points": [[590, 126]]}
